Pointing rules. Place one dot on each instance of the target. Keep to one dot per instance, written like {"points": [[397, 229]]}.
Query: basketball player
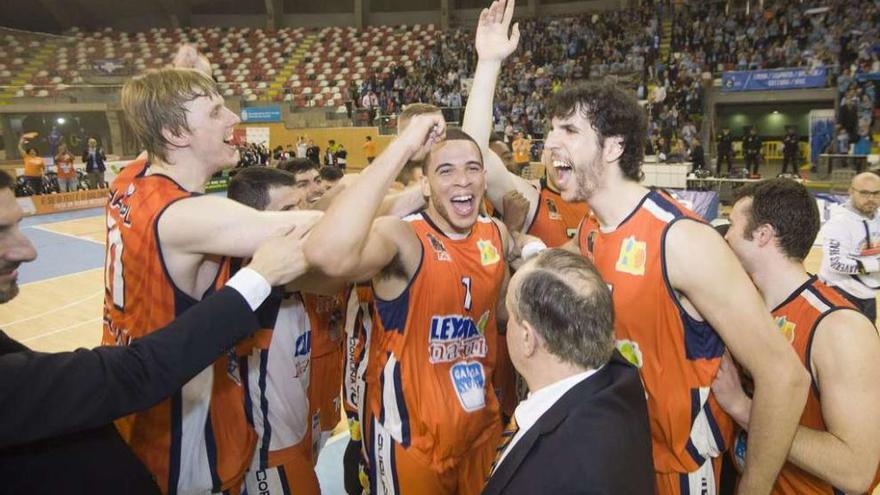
{"points": [[549, 218], [437, 278], [836, 448], [165, 247], [276, 363], [675, 284]]}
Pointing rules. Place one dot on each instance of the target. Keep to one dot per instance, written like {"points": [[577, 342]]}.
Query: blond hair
{"points": [[154, 101], [411, 111]]}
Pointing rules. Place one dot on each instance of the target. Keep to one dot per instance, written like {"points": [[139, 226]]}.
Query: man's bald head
{"points": [[864, 193], [562, 296]]}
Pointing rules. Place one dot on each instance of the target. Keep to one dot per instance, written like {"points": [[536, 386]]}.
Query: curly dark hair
{"points": [[612, 112], [786, 206]]}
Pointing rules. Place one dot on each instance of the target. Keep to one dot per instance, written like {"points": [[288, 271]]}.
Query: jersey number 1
{"points": [[466, 282]]}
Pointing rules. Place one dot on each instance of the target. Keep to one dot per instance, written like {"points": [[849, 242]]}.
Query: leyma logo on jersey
{"points": [[456, 337]]}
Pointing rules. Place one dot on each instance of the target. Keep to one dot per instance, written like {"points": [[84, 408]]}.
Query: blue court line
{"points": [[59, 255]]}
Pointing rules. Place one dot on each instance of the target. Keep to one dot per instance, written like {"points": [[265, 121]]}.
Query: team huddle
{"points": [[399, 317]]}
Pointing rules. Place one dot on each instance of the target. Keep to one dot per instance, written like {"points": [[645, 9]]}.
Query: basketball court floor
{"points": [[59, 306]]}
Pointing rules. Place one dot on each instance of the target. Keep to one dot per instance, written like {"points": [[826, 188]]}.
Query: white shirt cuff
{"points": [[870, 263], [251, 285]]}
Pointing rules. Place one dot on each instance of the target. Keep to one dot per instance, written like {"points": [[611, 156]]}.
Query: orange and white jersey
{"points": [[432, 353], [199, 439], [277, 366], [556, 221], [797, 318], [677, 355]]}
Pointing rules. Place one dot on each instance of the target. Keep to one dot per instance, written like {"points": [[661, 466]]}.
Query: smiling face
{"points": [[308, 187], [454, 184], [15, 248], [210, 136], [576, 157]]}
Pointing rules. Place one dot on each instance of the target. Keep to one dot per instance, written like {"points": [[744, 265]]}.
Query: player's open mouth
{"points": [[563, 172], [231, 141], [463, 204]]}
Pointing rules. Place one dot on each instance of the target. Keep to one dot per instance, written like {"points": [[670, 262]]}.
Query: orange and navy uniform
{"points": [[797, 318], [199, 439], [677, 355], [434, 416], [556, 221], [327, 315]]}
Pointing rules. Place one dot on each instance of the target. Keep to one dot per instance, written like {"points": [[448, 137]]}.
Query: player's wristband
{"points": [[532, 248]]}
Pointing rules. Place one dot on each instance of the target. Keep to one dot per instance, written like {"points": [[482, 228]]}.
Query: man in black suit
{"points": [[56, 410], [584, 426]]}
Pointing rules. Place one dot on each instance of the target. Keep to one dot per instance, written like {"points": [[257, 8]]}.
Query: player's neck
{"points": [[778, 278], [613, 203], [192, 178]]}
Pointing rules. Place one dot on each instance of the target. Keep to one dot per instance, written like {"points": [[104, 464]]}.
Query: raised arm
{"points": [[494, 45], [214, 225], [343, 243], [702, 267]]}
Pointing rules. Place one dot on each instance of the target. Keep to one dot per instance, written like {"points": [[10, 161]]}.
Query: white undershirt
{"points": [[529, 411]]}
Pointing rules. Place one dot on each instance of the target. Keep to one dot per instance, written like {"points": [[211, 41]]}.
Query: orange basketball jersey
{"points": [[198, 439], [327, 317], [556, 221], [677, 355], [432, 353], [797, 319]]}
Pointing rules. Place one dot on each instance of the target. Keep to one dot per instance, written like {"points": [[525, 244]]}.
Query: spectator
{"points": [[369, 149], [301, 147], [313, 152], [93, 157], [522, 147], [67, 179], [34, 166], [330, 176], [697, 155], [341, 157]]}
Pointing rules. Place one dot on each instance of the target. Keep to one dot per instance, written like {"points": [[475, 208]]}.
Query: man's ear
{"points": [[179, 140], [531, 340], [613, 149]]}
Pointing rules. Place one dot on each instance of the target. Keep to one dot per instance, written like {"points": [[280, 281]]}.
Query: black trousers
{"points": [[867, 307], [725, 156], [753, 160], [792, 159]]}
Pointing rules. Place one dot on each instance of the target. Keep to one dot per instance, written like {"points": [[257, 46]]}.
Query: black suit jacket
{"points": [[594, 440], [56, 410]]}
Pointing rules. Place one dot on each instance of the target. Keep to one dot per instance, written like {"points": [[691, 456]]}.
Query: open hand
{"points": [[492, 40]]}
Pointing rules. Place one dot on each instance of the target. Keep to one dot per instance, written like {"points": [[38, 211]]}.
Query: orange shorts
{"points": [[394, 471], [705, 480], [293, 473]]}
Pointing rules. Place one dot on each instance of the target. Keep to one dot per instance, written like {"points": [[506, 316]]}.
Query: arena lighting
{"points": [[775, 112], [60, 120]]}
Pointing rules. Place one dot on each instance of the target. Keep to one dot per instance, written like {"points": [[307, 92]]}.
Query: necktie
{"points": [[506, 436]]}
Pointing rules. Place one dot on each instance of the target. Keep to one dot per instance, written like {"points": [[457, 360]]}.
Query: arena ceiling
{"points": [[56, 16]]}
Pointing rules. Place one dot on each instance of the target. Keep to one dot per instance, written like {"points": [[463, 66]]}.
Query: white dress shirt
{"points": [[529, 411]]}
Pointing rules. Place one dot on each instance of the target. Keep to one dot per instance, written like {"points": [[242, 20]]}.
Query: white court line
{"points": [[40, 227], [60, 276], [63, 329], [59, 308]]}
